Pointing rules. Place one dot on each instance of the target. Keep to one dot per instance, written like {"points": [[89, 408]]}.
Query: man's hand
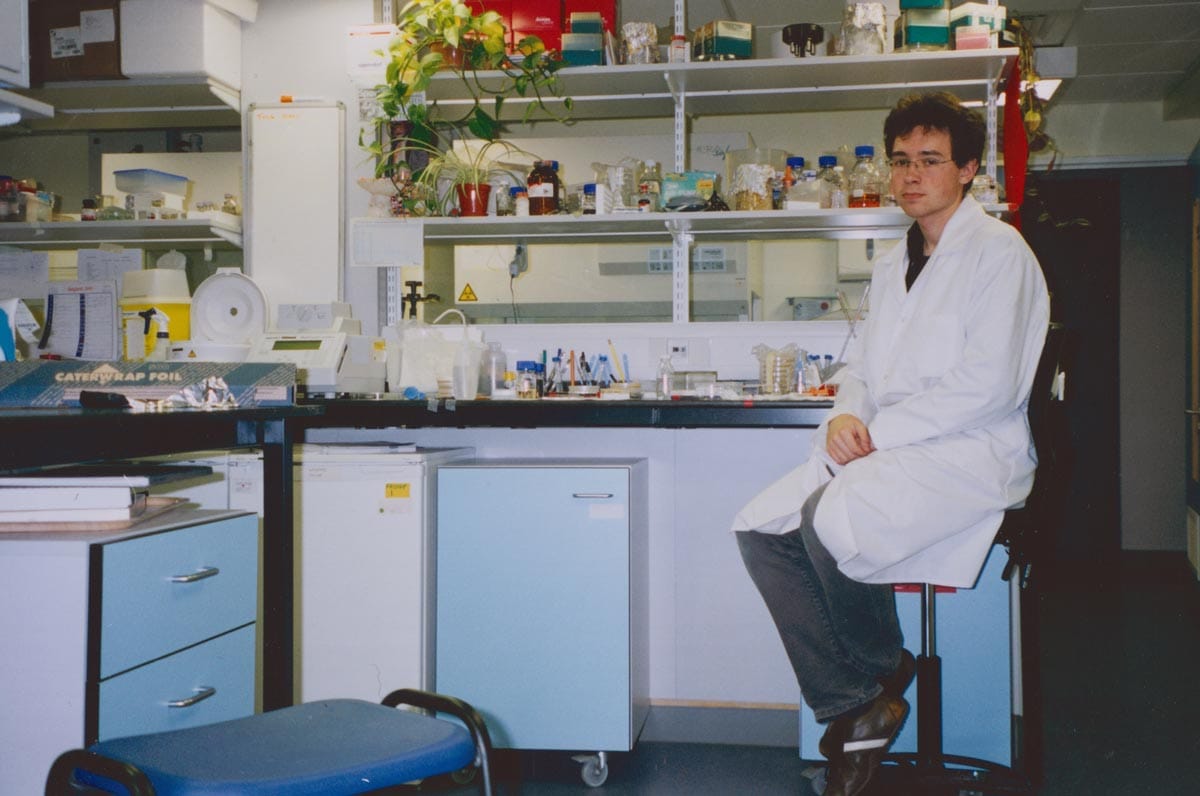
{"points": [[848, 439]]}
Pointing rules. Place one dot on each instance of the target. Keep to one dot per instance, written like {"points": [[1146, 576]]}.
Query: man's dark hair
{"points": [[938, 110]]}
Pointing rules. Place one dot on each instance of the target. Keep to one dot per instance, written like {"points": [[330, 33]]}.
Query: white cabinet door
{"points": [[14, 43]]}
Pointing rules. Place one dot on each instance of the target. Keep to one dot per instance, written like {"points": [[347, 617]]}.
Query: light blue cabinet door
{"points": [[148, 606], [533, 602], [136, 702]]}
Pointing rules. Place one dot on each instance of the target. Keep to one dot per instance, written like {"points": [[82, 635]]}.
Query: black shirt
{"points": [[916, 255]]}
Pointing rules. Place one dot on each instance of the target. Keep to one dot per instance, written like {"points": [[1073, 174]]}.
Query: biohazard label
{"points": [[467, 294]]}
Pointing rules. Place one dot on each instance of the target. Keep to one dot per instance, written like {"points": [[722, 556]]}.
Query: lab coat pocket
{"points": [[938, 339]]}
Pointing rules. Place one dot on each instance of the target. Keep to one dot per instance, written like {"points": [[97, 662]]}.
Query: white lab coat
{"points": [[941, 376]]}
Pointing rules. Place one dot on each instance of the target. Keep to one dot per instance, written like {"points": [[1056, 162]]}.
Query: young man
{"points": [[926, 446]]}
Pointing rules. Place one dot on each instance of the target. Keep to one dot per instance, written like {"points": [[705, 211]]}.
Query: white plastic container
{"points": [[150, 181]]}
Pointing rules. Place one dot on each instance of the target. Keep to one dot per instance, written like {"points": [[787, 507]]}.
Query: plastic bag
{"points": [[425, 354]]}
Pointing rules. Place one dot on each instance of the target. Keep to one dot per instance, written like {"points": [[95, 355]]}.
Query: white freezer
{"points": [[364, 568]]}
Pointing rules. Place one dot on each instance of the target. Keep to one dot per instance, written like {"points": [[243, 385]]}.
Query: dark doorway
{"points": [[1072, 222]]}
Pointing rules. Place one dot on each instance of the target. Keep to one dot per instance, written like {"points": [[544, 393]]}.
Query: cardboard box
{"points": [[722, 39], [58, 383], [970, 14], [923, 29], [74, 40]]}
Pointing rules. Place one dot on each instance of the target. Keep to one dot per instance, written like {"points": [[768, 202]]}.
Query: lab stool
{"points": [[325, 748], [930, 771]]}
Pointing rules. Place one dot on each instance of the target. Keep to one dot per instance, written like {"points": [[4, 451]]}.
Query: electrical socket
{"points": [[678, 349]]}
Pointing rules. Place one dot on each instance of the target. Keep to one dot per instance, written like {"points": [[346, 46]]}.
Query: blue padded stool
{"points": [[336, 746]]}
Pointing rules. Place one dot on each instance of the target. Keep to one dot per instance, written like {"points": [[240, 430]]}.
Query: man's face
{"points": [[928, 192]]}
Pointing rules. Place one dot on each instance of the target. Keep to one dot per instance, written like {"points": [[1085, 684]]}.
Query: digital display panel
{"points": [[296, 345]]}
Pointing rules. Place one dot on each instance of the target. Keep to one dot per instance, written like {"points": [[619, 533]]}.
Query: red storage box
{"points": [[541, 18]]}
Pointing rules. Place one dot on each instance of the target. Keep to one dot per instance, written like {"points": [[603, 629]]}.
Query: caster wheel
{"points": [[464, 776], [594, 772]]}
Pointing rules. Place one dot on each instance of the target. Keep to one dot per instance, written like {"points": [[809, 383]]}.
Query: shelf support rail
{"points": [[681, 246]]}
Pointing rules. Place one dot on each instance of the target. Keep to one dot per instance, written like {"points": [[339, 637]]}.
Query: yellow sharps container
{"points": [[164, 289]]}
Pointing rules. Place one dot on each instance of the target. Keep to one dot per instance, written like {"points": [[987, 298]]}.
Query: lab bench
{"points": [[551, 413]]}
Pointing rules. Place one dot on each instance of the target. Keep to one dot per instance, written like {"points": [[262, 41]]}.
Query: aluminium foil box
{"points": [[53, 383]]}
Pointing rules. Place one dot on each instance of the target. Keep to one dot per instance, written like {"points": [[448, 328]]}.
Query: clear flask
{"points": [[864, 180], [491, 369], [665, 379]]}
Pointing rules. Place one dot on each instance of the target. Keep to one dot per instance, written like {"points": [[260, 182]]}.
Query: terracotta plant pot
{"points": [[473, 199]]}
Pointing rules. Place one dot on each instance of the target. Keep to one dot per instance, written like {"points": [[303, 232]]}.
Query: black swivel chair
{"points": [[326, 748], [930, 771]]}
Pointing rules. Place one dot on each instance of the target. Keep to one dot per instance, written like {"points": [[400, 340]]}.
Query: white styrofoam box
{"points": [[181, 38]]}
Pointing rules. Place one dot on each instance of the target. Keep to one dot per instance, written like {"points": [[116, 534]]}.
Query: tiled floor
{"points": [[1120, 669]]}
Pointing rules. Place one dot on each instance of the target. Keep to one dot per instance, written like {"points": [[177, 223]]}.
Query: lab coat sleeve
{"points": [[1004, 326]]}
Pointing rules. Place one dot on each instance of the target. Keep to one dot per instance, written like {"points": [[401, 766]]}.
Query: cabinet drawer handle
{"points": [[202, 693], [199, 574], [592, 495]]}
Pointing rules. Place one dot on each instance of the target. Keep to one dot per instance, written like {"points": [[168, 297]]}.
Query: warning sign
{"points": [[467, 294]]}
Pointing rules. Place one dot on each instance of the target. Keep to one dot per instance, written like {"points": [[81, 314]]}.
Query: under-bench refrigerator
{"points": [[364, 568], [542, 615]]}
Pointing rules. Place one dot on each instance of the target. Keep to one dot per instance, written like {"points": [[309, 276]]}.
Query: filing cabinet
{"points": [[123, 632]]}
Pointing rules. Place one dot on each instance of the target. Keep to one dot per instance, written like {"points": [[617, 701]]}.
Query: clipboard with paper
{"points": [[82, 321]]}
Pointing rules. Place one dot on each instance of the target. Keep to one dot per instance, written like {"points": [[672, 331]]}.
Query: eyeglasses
{"points": [[918, 165]]}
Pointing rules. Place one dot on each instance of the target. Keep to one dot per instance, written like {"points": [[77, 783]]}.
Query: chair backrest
{"points": [[1024, 530]]}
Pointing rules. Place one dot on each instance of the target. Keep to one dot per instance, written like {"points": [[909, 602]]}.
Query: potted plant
{"points": [[445, 34], [464, 173]]}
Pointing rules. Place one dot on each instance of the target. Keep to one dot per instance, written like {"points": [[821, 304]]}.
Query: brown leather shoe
{"points": [[865, 741], [894, 685]]}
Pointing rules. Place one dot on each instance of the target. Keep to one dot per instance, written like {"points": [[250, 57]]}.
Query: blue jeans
{"points": [[840, 635]]}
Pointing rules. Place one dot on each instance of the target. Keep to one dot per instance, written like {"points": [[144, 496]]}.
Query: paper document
{"points": [[24, 274], [81, 321], [107, 265]]}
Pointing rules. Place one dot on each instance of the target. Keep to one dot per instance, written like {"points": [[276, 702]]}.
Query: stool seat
{"points": [[336, 746]]}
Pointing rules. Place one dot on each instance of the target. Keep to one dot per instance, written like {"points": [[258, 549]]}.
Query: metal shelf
{"points": [[776, 224], [83, 234], [26, 108], [140, 103], [769, 85]]}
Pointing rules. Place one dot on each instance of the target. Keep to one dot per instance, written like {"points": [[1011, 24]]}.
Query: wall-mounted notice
{"points": [[24, 274]]}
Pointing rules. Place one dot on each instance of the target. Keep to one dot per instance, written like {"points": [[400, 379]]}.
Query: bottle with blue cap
{"points": [[832, 192], [864, 179]]}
